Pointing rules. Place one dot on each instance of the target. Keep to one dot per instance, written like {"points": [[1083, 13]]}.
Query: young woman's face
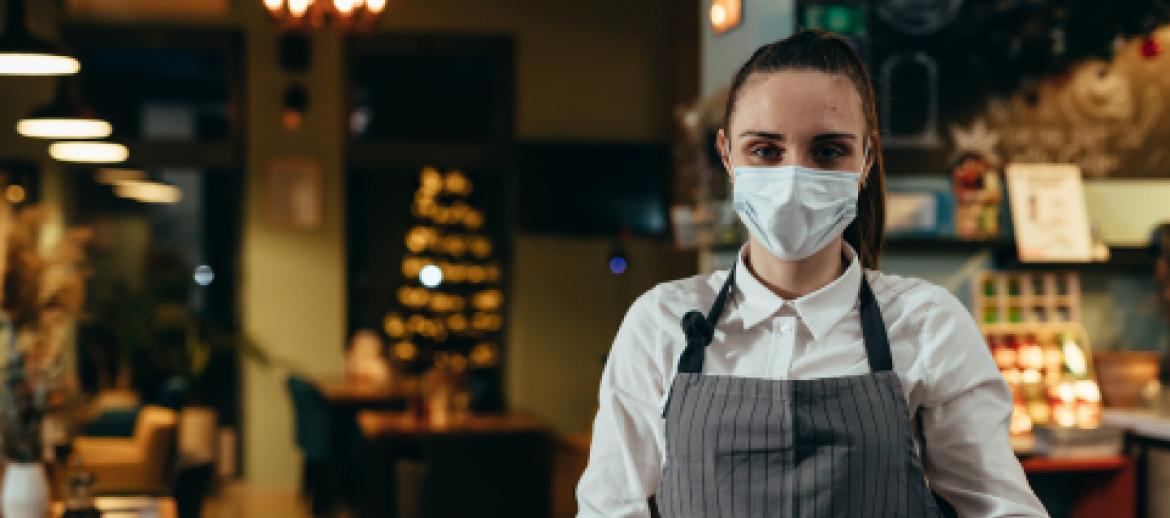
{"points": [[797, 117]]}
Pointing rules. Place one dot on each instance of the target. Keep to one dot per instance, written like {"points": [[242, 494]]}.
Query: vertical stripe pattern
{"points": [[832, 447]]}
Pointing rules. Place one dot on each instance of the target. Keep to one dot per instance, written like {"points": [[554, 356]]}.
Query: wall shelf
{"points": [[1133, 259]]}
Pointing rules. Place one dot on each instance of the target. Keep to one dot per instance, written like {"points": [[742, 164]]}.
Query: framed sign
{"points": [[293, 193], [1048, 212]]}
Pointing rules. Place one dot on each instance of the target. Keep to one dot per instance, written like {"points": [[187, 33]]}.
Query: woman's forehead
{"points": [[798, 102]]}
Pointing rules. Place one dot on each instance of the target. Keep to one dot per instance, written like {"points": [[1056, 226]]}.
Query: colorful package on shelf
{"points": [[1031, 321]]}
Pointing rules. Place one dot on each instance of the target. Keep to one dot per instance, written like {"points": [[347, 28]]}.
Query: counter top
{"points": [[1147, 423]]}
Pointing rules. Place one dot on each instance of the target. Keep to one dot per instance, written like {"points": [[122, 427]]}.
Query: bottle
{"points": [[79, 501]]}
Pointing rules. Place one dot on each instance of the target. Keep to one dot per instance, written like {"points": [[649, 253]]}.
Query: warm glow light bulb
{"points": [[89, 152], [299, 7], [718, 14], [28, 64], [430, 276], [273, 5], [375, 6], [344, 6], [64, 128], [149, 192]]}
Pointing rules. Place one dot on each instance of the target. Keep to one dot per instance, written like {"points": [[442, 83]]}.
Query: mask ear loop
{"points": [[865, 160], [727, 153]]}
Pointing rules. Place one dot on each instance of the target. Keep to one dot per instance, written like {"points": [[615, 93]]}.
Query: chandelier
{"points": [[314, 14]]}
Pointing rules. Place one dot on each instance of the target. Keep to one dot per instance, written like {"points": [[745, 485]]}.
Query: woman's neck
{"points": [[793, 279]]}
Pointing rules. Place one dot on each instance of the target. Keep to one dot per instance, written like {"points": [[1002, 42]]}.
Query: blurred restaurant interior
{"points": [[367, 257]]}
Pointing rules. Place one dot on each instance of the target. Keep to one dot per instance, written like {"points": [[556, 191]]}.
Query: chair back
{"points": [[154, 433], [310, 418]]}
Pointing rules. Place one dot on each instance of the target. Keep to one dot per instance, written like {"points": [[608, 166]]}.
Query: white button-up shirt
{"points": [[946, 370]]}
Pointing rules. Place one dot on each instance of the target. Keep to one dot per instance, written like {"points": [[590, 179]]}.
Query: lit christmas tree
{"points": [[449, 303]]}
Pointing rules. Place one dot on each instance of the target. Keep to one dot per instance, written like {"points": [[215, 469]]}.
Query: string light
{"points": [[483, 355], [473, 220], [456, 183], [476, 274], [394, 326], [458, 363], [455, 246], [431, 276], [480, 247], [405, 351], [457, 323], [488, 300]]}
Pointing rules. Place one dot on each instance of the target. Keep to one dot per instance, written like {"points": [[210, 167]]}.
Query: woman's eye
{"points": [[765, 152], [828, 153]]}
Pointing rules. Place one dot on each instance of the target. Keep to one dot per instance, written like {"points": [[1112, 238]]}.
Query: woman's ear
{"points": [[722, 146]]}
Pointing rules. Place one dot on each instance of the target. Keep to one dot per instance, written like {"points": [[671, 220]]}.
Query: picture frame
{"points": [[292, 193]]}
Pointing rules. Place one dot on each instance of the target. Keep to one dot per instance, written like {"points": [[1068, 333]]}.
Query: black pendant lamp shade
{"points": [[65, 117], [23, 53]]}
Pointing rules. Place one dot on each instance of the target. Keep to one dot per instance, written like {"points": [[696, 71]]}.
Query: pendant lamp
{"points": [[149, 190], [88, 152], [65, 117], [23, 53]]}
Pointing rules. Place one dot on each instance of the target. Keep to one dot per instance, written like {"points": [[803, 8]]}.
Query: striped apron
{"points": [[744, 447]]}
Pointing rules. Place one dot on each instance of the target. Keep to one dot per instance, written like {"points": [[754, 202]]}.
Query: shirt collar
{"points": [[819, 310]]}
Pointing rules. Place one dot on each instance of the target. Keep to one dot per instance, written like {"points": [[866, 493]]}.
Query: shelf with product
{"points": [[1032, 322], [1002, 253]]}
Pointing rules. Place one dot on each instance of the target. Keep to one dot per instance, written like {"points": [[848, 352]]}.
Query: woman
{"points": [[813, 383]]}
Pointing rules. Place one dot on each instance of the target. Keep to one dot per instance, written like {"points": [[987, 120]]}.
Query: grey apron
{"points": [[744, 447]]}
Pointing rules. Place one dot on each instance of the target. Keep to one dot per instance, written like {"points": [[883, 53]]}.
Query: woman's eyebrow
{"points": [[765, 134], [835, 136]]}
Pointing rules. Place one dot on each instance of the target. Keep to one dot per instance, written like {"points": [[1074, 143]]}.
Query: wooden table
{"points": [[486, 466], [1093, 487], [358, 393], [398, 425]]}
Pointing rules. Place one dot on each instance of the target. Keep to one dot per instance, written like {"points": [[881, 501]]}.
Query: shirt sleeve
{"points": [[626, 453], [967, 455]]}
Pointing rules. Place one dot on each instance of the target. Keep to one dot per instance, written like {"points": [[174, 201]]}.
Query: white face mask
{"points": [[795, 211]]}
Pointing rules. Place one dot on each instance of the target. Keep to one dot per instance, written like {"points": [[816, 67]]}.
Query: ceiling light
{"points": [[147, 191], [725, 15], [89, 152], [65, 117], [25, 54]]}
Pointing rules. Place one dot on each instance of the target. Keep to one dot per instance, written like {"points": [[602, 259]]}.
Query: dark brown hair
{"points": [[831, 54]]}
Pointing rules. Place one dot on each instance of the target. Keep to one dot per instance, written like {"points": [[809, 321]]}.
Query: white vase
{"points": [[26, 491]]}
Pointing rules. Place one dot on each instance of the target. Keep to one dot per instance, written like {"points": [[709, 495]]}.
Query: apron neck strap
{"points": [[873, 329], [699, 329]]}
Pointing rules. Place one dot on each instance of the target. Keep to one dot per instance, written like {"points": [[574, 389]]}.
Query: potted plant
{"points": [[171, 355], [42, 291]]}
